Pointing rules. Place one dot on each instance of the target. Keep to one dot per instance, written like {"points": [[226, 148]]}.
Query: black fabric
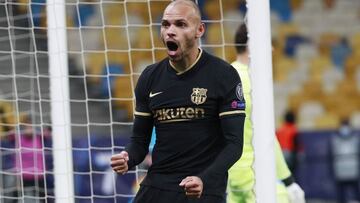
{"points": [[231, 126], [199, 118], [140, 139], [149, 194]]}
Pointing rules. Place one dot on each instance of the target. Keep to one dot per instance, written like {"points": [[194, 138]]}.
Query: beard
{"points": [[184, 49]]}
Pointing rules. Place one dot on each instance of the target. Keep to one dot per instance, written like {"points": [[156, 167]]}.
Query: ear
{"points": [[200, 30]]}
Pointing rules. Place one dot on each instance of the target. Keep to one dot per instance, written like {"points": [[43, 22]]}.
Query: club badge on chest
{"points": [[198, 95]]}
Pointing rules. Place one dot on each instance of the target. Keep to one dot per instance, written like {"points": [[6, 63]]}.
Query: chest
{"points": [[182, 92], [174, 98]]}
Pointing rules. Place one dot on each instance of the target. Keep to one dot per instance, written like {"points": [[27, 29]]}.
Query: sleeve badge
{"points": [[239, 92]]}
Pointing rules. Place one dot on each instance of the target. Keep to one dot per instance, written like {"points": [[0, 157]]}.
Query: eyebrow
{"points": [[176, 20]]}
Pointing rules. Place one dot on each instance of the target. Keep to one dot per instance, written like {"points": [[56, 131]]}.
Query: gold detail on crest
{"points": [[198, 95]]}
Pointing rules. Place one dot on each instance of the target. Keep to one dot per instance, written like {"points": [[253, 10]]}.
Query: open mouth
{"points": [[172, 46]]}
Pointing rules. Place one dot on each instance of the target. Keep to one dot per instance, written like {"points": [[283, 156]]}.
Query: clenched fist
{"points": [[193, 186], [119, 162]]}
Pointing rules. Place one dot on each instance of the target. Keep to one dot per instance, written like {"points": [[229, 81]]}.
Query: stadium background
{"points": [[316, 67]]}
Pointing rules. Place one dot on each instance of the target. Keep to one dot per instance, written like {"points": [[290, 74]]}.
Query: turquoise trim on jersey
{"points": [[152, 141]]}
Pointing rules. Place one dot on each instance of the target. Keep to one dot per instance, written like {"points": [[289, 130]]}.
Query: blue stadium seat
{"points": [[85, 12], [283, 9], [37, 8], [292, 43], [339, 53], [110, 78]]}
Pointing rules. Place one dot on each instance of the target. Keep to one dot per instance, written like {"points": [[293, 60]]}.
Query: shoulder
{"points": [[218, 66], [150, 69], [240, 67], [216, 62], [148, 76]]}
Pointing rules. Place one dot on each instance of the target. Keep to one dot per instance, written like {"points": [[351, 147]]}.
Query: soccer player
{"points": [[196, 103], [241, 175]]}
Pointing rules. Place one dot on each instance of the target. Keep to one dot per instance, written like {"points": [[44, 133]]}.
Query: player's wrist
{"points": [[288, 181]]}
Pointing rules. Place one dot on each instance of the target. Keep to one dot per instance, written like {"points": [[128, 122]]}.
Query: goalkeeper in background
{"points": [[241, 175]]}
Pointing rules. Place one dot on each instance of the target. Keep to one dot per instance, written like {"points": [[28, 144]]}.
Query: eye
{"points": [[164, 24], [181, 24]]}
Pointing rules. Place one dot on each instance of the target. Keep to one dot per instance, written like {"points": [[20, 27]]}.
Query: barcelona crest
{"points": [[198, 95]]}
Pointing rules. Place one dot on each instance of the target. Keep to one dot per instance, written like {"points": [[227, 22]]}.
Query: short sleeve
{"points": [[142, 95], [231, 93]]}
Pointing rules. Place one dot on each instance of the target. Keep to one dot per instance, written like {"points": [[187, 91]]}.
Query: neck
{"points": [[243, 58], [187, 61]]}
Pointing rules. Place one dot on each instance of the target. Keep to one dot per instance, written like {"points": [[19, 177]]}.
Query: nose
{"points": [[171, 31]]}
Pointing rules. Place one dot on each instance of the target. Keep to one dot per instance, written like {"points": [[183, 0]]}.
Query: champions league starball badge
{"points": [[239, 92]]}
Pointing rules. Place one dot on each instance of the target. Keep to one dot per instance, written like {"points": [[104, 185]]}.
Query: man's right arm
{"points": [[138, 147], [136, 150]]}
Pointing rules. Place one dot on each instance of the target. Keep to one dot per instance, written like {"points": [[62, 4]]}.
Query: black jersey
{"points": [[190, 111]]}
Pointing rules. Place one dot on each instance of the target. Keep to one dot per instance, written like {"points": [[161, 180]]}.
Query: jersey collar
{"points": [[190, 67]]}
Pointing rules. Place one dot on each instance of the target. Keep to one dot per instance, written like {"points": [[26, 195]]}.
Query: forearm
{"points": [[139, 141], [233, 128], [282, 170]]}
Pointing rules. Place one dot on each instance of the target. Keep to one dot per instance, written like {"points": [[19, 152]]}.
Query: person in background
{"points": [[345, 159], [30, 159], [4, 128], [189, 97], [241, 175], [287, 135]]}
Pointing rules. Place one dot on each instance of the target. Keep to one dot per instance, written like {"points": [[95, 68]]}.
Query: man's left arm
{"points": [[232, 127], [233, 132], [232, 118]]}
